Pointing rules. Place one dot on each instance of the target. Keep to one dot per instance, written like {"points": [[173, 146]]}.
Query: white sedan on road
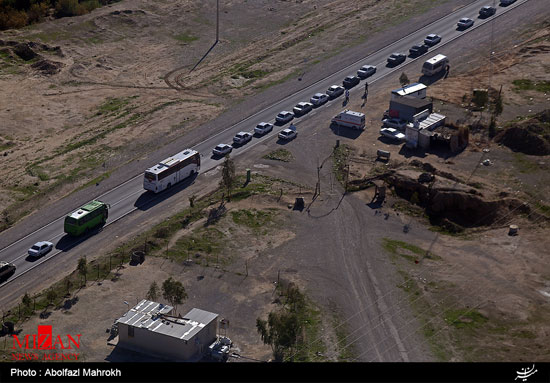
{"points": [[335, 91], [319, 99], [284, 117], [263, 128], [242, 138], [222, 149], [366, 71], [40, 248]]}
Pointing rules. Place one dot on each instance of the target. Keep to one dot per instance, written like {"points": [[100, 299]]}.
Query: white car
{"points": [[288, 134], [242, 138], [40, 248], [395, 123], [302, 108], [465, 22], [432, 39], [335, 90], [222, 149], [392, 133], [284, 117], [263, 128], [366, 71], [319, 99]]}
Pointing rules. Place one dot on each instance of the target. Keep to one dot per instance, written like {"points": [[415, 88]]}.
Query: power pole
{"points": [[217, 20]]}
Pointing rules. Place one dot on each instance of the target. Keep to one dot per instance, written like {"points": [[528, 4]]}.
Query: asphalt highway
{"points": [[130, 195]]}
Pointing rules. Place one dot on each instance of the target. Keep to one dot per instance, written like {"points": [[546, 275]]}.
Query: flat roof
{"points": [[90, 206], [171, 161], [407, 89], [436, 58], [152, 316]]}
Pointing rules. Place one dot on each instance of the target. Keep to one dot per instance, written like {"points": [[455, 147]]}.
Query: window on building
{"points": [[130, 332]]}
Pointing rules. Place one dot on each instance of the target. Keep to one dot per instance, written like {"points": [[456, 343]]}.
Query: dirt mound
{"points": [[530, 137], [458, 206], [47, 67]]}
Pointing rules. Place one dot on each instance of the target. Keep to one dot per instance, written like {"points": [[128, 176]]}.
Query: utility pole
{"points": [[217, 20]]}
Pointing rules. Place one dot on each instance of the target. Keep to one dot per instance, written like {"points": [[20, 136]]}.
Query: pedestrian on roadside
{"points": [[447, 70], [347, 95]]}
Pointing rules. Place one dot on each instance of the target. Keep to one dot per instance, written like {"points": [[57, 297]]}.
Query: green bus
{"points": [[86, 218]]}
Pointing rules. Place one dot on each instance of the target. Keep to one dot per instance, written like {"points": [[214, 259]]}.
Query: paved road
{"points": [[130, 195]]}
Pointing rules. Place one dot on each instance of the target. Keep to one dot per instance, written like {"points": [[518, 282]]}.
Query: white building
{"points": [[416, 90], [150, 329]]}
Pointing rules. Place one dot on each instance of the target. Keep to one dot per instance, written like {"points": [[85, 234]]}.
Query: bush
{"points": [[11, 18], [66, 8]]}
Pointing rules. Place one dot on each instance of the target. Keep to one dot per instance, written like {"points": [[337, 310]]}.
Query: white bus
{"points": [[435, 65], [172, 170]]}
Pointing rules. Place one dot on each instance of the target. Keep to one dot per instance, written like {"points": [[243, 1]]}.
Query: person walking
{"points": [[366, 91], [347, 96]]}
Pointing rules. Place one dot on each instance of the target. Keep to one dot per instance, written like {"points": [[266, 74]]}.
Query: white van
{"points": [[435, 65], [350, 119]]}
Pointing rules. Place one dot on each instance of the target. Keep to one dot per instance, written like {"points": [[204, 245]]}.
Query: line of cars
{"points": [[299, 110], [7, 269], [349, 82], [433, 39]]}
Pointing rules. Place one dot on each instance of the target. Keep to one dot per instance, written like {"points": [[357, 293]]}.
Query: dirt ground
{"points": [[489, 290], [123, 84]]}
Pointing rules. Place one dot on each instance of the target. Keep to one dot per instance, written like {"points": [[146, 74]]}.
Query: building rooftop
{"points": [[408, 89], [153, 317]]}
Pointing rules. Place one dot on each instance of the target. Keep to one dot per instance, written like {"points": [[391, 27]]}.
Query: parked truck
{"points": [[350, 119]]}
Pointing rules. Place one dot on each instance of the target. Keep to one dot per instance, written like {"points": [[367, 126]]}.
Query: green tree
{"points": [[26, 300], [403, 79], [283, 327], [66, 8], [153, 292], [83, 268], [174, 292], [50, 296], [228, 176]]}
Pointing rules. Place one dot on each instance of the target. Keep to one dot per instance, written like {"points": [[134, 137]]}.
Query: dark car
{"points": [[417, 50], [6, 270], [351, 81], [487, 11], [396, 58], [504, 3]]}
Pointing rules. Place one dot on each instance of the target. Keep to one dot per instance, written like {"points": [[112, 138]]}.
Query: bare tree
{"points": [[228, 176]]}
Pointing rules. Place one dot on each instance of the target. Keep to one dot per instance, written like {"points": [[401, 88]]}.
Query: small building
{"points": [[418, 134], [406, 107], [150, 328], [416, 90]]}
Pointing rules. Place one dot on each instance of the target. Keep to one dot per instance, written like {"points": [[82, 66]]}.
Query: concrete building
{"points": [[406, 107], [150, 329], [418, 133]]}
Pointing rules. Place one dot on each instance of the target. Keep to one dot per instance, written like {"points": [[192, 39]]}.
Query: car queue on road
{"points": [[334, 91]]}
